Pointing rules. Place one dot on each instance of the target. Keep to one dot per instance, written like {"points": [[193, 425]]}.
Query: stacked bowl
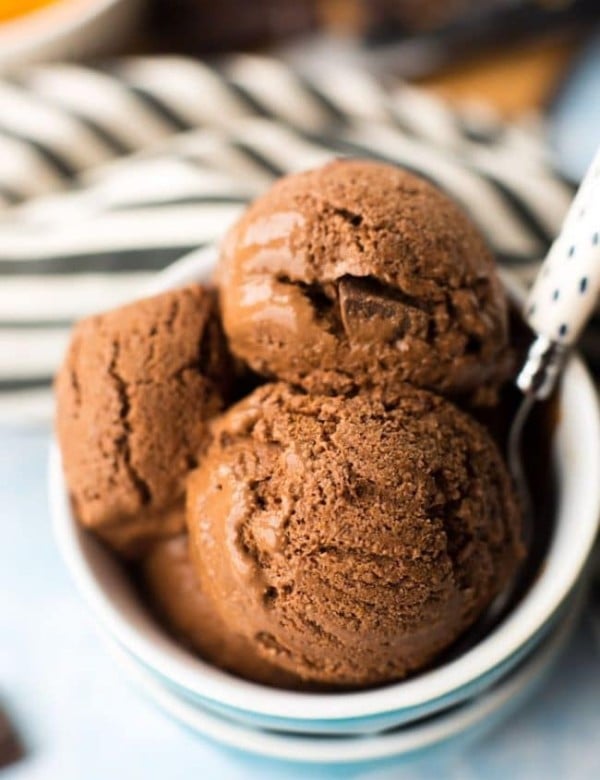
{"points": [[481, 681]]}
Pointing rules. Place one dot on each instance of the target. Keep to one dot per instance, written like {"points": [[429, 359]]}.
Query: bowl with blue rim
{"points": [[569, 528]]}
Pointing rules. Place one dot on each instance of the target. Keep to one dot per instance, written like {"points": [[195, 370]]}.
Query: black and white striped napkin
{"points": [[107, 176]]}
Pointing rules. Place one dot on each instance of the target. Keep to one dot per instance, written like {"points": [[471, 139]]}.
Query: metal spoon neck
{"points": [[545, 361]]}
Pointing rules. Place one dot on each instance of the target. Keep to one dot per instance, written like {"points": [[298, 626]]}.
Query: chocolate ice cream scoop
{"points": [[360, 274], [174, 592], [134, 396], [351, 541]]}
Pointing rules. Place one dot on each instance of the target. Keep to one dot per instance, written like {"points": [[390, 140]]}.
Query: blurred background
{"points": [[518, 56]]}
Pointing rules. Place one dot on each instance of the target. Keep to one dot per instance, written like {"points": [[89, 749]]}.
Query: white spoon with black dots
{"points": [[560, 303]]}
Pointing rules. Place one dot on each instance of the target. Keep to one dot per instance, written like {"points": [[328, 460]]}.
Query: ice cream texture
{"points": [[348, 539], [362, 275], [134, 396], [345, 522], [174, 591]]}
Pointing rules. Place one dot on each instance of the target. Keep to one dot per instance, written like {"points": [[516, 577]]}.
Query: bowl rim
{"points": [[407, 741], [529, 617]]}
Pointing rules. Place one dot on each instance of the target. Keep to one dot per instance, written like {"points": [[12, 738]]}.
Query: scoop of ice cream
{"points": [[360, 274], [351, 541], [134, 395], [174, 592]]}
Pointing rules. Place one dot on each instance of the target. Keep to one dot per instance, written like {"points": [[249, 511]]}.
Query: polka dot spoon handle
{"points": [[558, 307], [566, 289]]}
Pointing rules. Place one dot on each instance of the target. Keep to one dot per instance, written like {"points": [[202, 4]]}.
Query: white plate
{"points": [[469, 720]]}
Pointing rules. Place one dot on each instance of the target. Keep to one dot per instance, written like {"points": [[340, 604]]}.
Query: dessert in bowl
{"points": [[346, 523]]}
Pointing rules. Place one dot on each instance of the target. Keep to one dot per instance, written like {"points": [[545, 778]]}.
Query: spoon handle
{"points": [[565, 292]]}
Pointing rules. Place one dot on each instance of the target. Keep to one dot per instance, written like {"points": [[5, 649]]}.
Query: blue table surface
{"points": [[79, 718]]}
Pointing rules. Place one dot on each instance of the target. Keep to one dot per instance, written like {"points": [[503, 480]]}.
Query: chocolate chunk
{"points": [[375, 314], [11, 747]]}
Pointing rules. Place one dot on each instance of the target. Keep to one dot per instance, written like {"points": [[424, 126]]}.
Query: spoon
{"points": [[557, 309]]}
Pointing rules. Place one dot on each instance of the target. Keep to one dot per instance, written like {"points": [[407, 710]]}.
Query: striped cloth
{"points": [[108, 175]]}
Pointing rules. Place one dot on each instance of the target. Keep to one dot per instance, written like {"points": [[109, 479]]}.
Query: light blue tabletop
{"points": [[79, 718]]}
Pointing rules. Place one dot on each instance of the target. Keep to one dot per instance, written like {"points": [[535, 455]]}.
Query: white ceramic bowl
{"points": [[457, 727], [66, 29], [118, 608]]}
